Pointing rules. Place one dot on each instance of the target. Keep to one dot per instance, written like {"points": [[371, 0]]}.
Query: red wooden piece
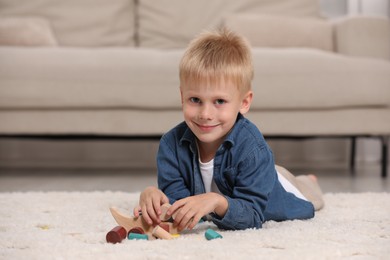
{"points": [[137, 230], [116, 235], [165, 226]]}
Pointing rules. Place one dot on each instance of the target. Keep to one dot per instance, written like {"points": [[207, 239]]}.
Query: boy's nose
{"points": [[206, 112]]}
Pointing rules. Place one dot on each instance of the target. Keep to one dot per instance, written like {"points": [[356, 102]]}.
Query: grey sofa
{"points": [[110, 68]]}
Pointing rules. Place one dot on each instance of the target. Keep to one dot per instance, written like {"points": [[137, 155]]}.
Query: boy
{"points": [[216, 162]]}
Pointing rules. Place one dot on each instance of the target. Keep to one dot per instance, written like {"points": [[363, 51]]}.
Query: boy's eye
{"points": [[220, 102], [195, 100]]}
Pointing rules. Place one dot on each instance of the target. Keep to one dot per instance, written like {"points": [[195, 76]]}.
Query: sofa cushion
{"points": [[26, 31], [363, 36], [353, 121], [147, 79], [81, 22], [280, 31], [69, 78], [297, 78], [173, 23]]}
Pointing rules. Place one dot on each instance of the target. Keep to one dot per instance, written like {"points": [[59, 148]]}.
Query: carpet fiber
{"points": [[63, 225]]}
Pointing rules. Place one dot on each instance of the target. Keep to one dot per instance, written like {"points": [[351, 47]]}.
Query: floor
{"points": [[366, 179]]}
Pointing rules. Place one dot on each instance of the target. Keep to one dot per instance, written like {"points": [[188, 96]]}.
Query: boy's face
{"points": [[210, 111]]}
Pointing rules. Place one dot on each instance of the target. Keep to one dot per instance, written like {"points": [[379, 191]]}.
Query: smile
{"points": [[206, 128]]}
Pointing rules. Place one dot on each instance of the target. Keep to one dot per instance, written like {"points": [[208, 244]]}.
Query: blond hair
{"points": [[217, 55]]}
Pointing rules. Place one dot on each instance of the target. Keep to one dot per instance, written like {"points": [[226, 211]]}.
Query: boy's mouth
{"points": [[206, 128]]}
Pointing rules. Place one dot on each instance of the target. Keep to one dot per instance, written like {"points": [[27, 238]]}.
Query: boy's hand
{"points": [[149, 205], [190, 210]]}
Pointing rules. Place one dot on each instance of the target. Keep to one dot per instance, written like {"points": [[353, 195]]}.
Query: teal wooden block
{"points": [[136, 236], [211, 234]]}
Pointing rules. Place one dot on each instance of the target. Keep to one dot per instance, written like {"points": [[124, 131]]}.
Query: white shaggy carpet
{"points": [[63, 225]]}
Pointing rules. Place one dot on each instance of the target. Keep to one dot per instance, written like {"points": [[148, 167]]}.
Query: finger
{"points": [[156, 206], [175, 206], [145, 216], [136, 211], [178, 215], [182, 217], [151, 213], [195, 221], [164, 199], [186, 222], [157, 211]]}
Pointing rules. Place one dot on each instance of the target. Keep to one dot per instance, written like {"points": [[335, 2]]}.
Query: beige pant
{"points": [[309, 188]]}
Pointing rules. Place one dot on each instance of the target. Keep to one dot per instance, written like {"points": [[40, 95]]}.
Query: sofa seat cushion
{"points": [[69, 78], [117, 78], [354, 121], [313, 79]]}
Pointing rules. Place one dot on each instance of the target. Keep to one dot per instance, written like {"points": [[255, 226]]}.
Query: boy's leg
{"points": [[308, 186]]}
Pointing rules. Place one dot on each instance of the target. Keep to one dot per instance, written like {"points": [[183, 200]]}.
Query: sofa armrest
{"points": [[363, 36]]}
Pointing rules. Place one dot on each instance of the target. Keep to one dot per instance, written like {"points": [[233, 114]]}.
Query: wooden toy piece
{"points": [[164, 226], [211, 234], [161, 233], [137, 230], [168, 226], [129, 222], [175, 235], [138, 225], [116, 235], [137, 236], [164, 209]]}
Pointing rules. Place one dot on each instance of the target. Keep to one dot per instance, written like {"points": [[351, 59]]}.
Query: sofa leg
{"points": [[385, 150], [352, 158]]}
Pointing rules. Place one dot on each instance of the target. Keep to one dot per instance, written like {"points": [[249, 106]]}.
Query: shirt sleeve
{"points": [[255, 178], [170, 180]]}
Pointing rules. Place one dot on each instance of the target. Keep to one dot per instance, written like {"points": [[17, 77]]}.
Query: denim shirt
{"points": [[244, 172]]}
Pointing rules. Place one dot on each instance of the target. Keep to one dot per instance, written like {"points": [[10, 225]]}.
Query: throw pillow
{"points": [[281, 31], [26, 31]]}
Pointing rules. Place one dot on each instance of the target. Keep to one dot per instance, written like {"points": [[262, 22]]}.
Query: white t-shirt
{"points": [[289, 187], [207, 171]]}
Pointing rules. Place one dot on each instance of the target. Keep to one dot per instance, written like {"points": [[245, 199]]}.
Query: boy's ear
{"points": [[246, 102]]}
